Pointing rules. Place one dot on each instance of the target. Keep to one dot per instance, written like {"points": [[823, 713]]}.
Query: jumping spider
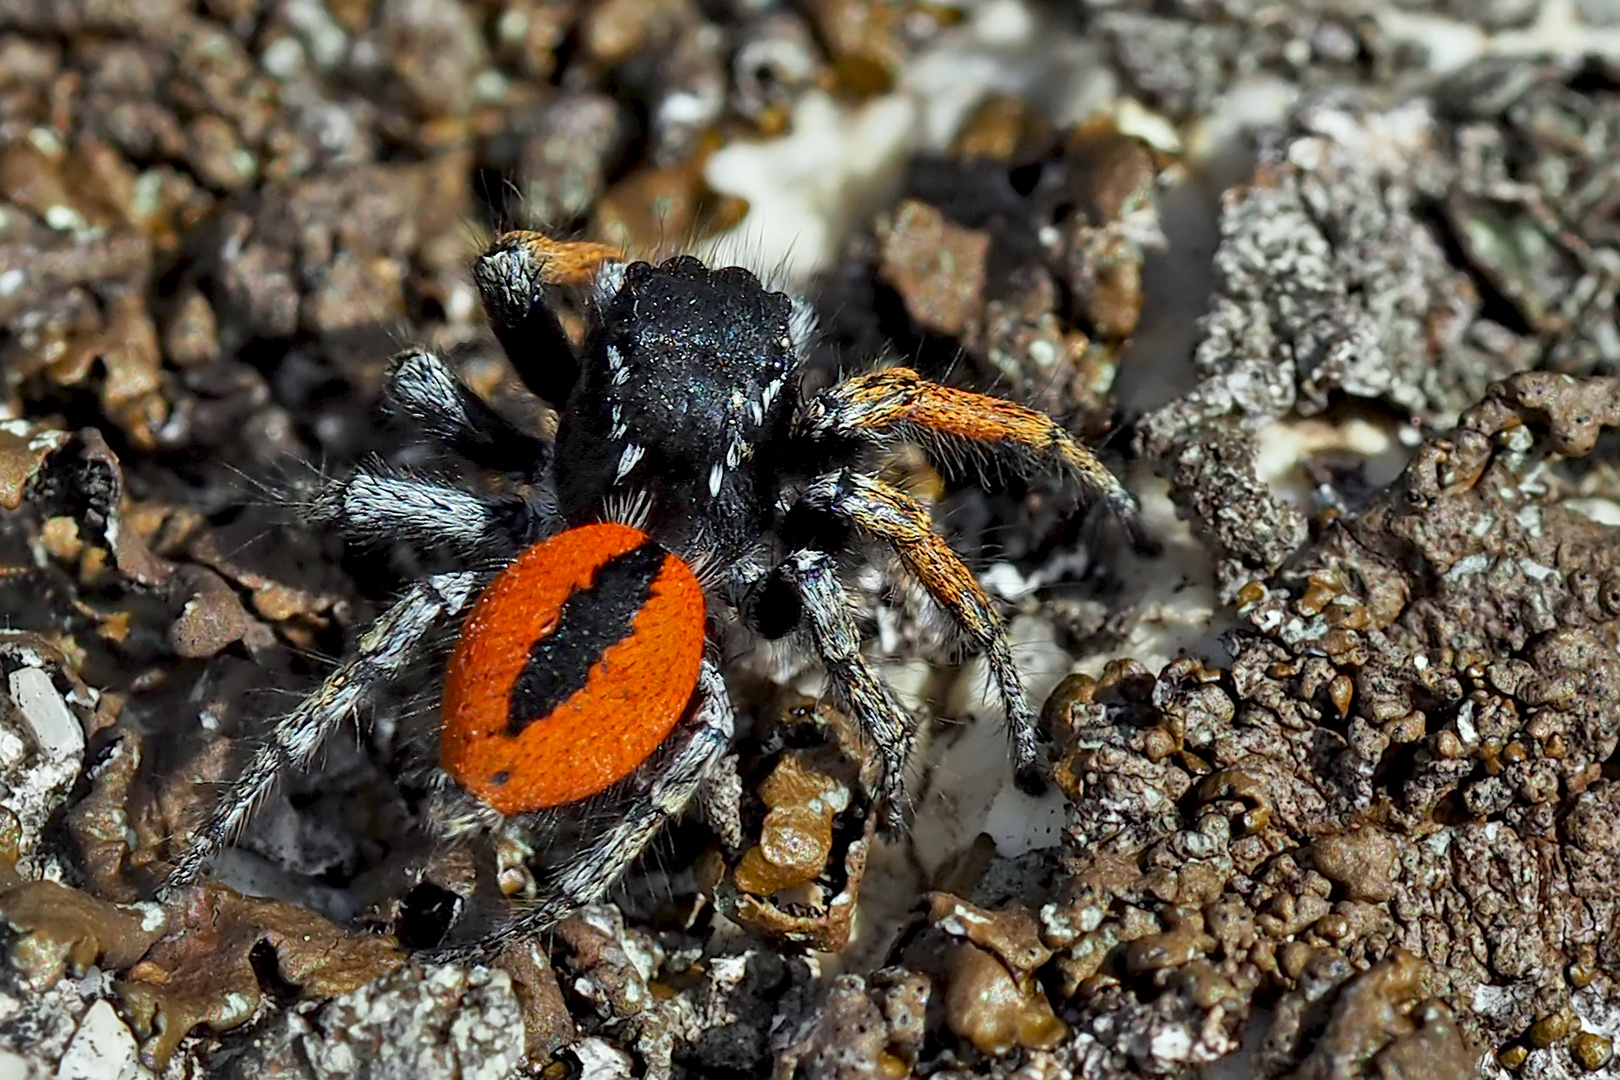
{"points": [[687, 469]]}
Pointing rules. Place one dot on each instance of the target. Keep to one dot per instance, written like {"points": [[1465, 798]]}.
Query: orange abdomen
{"points": [[574, 665]]}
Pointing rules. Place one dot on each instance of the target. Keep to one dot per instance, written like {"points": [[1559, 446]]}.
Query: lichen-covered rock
{"points": [[441, 1023], [1398, 775], [1545, 134], [1328, 282], [846, 1038], [42, 738]]}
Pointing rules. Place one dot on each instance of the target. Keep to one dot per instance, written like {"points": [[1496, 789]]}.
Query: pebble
{"points": [[102, 1049], [55, 730], [601, 1060]]}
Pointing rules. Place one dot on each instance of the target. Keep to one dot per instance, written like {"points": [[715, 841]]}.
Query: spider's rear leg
{"points": [[385, 651], [898, 402], [890, 515], [826, 612], [518, 277], [674, 778], [422, 386]]}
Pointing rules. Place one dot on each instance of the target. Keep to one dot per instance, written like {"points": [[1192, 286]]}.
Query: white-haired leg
{"points": [[422, 386], [376, 507], [387, 649], [885, 513], [672, 782], [856, 687], [518, 277]]}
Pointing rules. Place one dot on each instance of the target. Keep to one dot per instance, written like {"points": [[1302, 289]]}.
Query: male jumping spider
{"points": [[687, 468]]}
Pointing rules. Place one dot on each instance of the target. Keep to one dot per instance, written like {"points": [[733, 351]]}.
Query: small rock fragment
{"points": [[1591, 1050], [938, 267], [102, 1049], [63, 930], [1363, 860], [203, 971], [57, 732]]}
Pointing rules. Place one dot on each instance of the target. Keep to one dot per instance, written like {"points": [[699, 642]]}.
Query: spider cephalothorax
{"points": [[687, 470]]}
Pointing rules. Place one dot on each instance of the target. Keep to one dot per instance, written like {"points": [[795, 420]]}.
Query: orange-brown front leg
{"points": [[888, 514], [556, 262], [899, 402]]}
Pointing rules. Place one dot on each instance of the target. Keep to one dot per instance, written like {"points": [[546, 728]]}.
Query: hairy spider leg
{"points": [[883, 512], [421, 385], [812, 574], [376, 506], [387, 649], [669, 782], [899, 402], [517, 276]]}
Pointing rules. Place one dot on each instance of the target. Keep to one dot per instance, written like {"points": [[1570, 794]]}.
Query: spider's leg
{"points": [[897, 402], [719, 803], [375, 506], [858, 689], [517, 276], [675, 780], [387, 648], [421, 385], [890, 515]]}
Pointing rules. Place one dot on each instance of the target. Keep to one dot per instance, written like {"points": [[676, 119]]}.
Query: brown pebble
{"points": [[11, 833], [61, 540], [1318, 594], [796, 838], [1003, 128], [1363, 860], [21, 455], [1182, 942], [1342, 690], [1252, 593], [61, 930], [1111, 172], [211, 617], [1158, 744], [985, 1005], [1551, 1030], [937, 266], [1348, 616], [1295, 955], [1592, 1050], [191, 334], [547, 1027]]}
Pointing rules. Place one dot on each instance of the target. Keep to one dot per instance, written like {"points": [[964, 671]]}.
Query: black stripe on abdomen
{"points": [[590, 622]]}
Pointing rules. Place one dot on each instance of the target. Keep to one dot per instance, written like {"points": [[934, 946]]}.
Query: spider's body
{"points": [[691, 373], [687, 473], [572, 668]]}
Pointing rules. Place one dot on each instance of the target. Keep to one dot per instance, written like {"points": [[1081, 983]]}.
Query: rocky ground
{"points": [[1331, 284]]}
